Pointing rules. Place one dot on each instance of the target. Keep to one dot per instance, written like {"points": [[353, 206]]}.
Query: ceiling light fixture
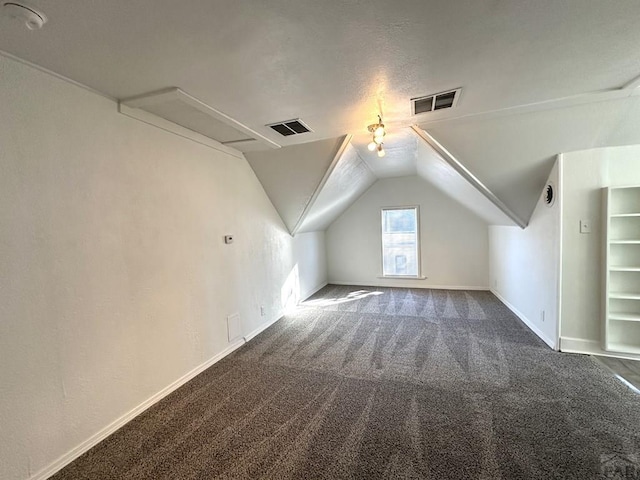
{"points": [[377, 130]]}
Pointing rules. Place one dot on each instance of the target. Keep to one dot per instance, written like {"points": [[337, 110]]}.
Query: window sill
{"points": [[402, 277]]}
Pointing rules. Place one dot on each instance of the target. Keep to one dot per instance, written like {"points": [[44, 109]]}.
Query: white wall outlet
{"points": [[262, 310], [585, 226], [542, 316], [228, 239]]}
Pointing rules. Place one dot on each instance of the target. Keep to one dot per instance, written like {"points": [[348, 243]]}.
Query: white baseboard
{"points": [[591, 347], [92, 441], [262, 328], [403, 284], [526, 321], [314, 290]]}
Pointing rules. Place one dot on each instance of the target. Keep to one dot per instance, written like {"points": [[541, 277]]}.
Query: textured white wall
{"points": [[310, 253], [115, 281], [524, 267], [584, 174], [454, 241]]}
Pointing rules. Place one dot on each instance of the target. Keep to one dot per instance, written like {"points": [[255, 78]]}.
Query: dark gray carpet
{"points": [[382, 383]]}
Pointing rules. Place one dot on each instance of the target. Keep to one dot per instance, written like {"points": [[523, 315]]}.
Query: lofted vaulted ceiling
{"points": [[538, 78]]}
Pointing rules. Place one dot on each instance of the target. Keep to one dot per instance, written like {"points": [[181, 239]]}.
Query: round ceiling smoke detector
{"points": [[32, 18]]}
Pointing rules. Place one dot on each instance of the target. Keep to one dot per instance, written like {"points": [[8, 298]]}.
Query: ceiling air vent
{"points": [[290, 127], [437, 101]]}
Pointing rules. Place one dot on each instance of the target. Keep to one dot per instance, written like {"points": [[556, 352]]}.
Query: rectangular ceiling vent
{"points": [[437, 101], [290, 127]]}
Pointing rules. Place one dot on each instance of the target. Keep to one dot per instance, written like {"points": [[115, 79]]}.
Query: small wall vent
{"points": [[437, 101], [549, 194], [290, 127]]}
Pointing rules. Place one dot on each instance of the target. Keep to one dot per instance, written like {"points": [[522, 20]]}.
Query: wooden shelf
{"points": [[623, 348], [625, 295], [625, 317], [622, 290]]}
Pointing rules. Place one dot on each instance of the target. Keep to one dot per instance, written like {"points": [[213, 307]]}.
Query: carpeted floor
{"points": [[369, 383]]}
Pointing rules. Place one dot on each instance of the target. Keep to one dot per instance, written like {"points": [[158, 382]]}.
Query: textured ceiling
{"points": [[337, 64]]}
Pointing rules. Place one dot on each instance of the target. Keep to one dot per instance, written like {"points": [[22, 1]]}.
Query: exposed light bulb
{"points": [[377, 129]]}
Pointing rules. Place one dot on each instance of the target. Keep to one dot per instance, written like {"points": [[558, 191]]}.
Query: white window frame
{"points": [[418, 275]]}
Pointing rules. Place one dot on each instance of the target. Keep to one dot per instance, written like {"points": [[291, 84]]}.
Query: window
{"points": [[400, 245]]}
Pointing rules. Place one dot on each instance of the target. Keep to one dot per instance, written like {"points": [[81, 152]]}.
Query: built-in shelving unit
{"points": [[622, 269]]}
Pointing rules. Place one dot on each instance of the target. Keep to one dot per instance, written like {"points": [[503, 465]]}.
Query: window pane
{"points": [[400, 242]]}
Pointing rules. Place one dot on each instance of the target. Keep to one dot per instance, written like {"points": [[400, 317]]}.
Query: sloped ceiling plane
{"points": [[536, 78]]}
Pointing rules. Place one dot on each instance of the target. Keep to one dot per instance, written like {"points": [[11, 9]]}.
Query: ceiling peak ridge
{"points": [[362, 159], [346, 141], [468, 175]]}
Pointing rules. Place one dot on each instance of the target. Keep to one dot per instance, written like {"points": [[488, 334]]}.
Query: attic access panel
{"points": [[180, 108]]}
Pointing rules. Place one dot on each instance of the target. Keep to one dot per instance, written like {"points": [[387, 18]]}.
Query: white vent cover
{"points": [[290, 127], [436, 101], [180, 108], [549, 194]]}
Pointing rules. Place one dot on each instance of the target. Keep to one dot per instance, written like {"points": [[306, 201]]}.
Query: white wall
{"points": [[584, 174], [115, 281], [454, 241], [524, 267], [310, 252]]}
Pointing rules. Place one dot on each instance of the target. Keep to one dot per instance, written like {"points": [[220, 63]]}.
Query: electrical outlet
{"points": [[262, 310], [542, 316], [585, 226]]}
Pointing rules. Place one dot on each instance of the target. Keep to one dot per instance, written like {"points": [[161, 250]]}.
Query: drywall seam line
{"points": [[323, 181], [57, 75], [366, 165], [467, 175]]}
